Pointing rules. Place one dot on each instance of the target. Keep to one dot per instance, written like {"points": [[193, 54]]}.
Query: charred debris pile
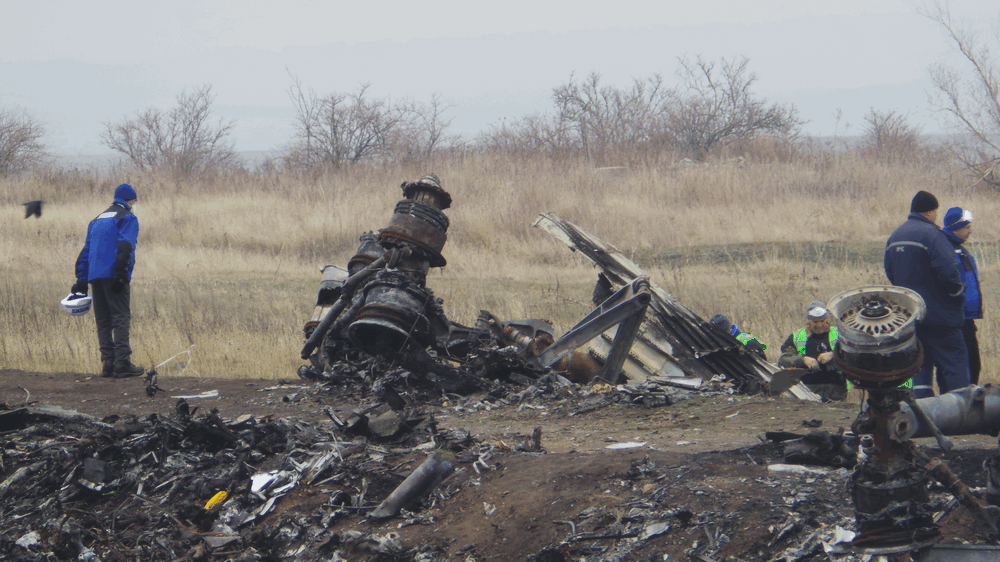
{"points": [[198, 487], [377, 324], [195, 486]]}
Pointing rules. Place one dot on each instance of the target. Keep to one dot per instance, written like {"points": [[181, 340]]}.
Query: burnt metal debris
{"points": [[197, 486], [878, 352], [671, 340], [203, 487], [191, 486], [377, 322]]}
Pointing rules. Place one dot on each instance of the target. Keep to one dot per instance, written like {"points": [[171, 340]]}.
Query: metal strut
{"points": [[627, 307]]}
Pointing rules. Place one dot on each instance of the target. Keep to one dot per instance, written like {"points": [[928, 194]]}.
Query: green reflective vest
{"points": [[801, 337], [746, 337]]}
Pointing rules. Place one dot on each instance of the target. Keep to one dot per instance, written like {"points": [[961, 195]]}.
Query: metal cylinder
{"points": [[368, 251], [877, 345], [427, 190], [393, 317], [419, 225], [966, 411], [892, 508], [418, 221]]}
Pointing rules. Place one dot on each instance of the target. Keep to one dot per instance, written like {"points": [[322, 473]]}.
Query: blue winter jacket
{"points": [[970, 277], [919, 256], [109, 252]]}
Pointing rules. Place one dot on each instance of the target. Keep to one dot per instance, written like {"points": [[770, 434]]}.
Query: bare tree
{"points": [[973, 102], [888, 137], [433, 131], [340, 128], [716, 105], [601, 119], [21, 145], [530, 136], [608, 124], [183, 140]]}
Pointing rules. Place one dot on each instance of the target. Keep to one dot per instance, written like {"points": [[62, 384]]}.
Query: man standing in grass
{"points": [[919, 257], [812, 348], [958, 228], [106, 263]]}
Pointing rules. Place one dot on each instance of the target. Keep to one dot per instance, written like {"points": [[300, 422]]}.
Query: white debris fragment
{"points": [[840, 536], [29, 540], [206, 394], [653, 530], [627, 445], [797, 469]]}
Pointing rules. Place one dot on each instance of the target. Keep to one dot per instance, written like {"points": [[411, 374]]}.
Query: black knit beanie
{"points": [[923, 202]]}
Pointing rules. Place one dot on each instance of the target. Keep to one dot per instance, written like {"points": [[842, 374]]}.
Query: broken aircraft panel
{"points": [[672, 340]]}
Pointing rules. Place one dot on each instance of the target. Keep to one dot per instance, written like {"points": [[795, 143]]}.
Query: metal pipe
{"points": [[973, 410], [927, 422], [346, 296], [417, 485]]}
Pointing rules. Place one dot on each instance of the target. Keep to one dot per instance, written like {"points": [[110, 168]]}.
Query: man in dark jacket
{"points": [[919, 257], [106, 263], [749, 341], [958, 228], [812, 348]]}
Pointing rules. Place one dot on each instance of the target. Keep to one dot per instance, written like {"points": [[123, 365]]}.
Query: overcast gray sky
{"points": [[76, 65]]}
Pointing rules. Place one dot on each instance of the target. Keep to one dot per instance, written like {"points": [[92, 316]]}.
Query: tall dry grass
{"points": [[229, 265]]}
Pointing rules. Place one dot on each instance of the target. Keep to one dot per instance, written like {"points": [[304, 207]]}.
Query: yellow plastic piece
{"points": [[216, 500]]}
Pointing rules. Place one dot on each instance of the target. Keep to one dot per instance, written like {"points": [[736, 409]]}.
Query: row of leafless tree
{"points": [[712, 106]]}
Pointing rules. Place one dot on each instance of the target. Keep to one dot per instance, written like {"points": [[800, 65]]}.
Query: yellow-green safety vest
{"points": [[746, 337], [800, 338]]}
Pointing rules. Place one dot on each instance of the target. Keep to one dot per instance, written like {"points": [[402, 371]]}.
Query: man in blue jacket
{"points": [[958, 228], [919, 257], [106, 263]]}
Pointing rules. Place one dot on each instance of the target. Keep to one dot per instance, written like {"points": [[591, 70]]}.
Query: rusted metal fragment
{"points": [[624, 311]]}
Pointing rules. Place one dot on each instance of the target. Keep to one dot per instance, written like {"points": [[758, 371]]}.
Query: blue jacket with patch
{"points": [[970, 277], [109, 252], [919, 256]]}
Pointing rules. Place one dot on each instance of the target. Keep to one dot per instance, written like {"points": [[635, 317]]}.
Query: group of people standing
{"points": [[929, 260], [933, 262]]}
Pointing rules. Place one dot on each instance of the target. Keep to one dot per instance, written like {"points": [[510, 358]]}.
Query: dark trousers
{"points": [[972, 344], [113, 314], [943, 346], [975, 362]]}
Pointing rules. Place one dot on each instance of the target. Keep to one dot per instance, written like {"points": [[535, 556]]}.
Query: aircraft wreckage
{"points": [[637, 334], [187, 487]]}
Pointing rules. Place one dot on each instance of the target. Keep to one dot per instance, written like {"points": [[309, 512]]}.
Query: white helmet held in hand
{"points": [[76, 304]]}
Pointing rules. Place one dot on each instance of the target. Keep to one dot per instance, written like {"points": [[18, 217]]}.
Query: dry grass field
{"points": [[230, 265]]}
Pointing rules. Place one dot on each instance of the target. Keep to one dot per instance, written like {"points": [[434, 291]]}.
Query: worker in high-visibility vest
{"points": [[749, 341], [812, 348]]}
